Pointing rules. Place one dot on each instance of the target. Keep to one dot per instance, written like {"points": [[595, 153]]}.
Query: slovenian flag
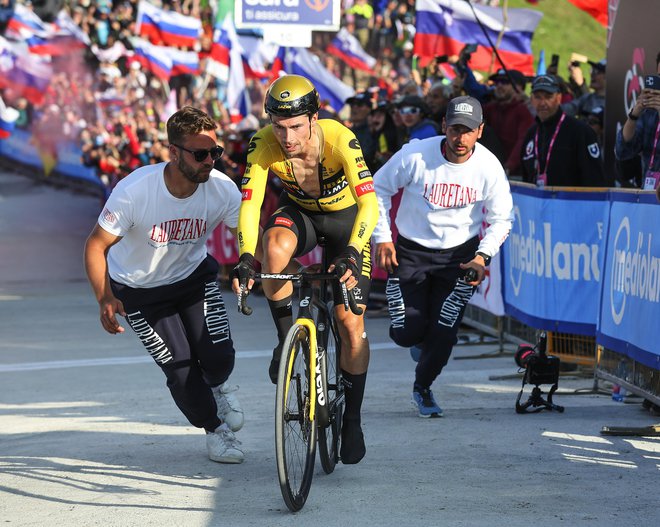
{"points": [[167, 28], [183, 62], [7, 117], [238, 99], [26, 74], [155, 59], [348, 48], [217, 63], [444, 27], [24, 22]]}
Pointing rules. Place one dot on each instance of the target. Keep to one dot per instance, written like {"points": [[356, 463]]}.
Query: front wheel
{"points": [[329, 436], [295, 433]]}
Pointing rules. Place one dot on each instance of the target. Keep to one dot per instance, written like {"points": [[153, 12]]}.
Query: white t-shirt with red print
{"points": [[164, 237]]}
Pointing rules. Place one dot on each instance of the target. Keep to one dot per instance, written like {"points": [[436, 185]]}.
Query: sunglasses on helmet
{"points": [[200, 155]]}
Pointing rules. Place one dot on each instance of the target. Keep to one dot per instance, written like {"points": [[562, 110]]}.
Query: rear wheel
{"points": [[329, 435], [295, 433]]}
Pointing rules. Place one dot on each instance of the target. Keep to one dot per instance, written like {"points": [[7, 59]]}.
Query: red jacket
{"points": [[510, 122]]}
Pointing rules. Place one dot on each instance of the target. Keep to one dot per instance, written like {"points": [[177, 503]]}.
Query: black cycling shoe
{"points": [[274, 367], [352, 442]]}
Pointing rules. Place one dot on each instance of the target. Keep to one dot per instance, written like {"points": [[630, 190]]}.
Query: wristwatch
{"points": [[631, 116], [485, 257]]}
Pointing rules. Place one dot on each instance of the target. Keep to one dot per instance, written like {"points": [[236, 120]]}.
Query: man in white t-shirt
{"points": [[451, 185], [146, 260]]}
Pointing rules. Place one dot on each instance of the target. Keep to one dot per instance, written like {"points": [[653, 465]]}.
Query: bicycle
{"points": [[309, 399]]}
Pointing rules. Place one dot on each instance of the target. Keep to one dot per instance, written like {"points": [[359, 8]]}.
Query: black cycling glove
{"points": [[244, 271], [349, 258]]}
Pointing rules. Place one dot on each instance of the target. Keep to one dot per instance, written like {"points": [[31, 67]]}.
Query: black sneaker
{"points": [[352, 442], [274, 367]]}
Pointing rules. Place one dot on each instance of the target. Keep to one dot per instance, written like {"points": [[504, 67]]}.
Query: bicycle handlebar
{"points": [[347, 295]]}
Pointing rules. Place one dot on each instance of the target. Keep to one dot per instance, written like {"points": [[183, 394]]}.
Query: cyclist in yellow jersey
{"points": [[327, 192]]}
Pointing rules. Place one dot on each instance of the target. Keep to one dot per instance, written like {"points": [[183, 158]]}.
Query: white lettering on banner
{"points": [[543, 257], [635, 274], [273, 3]]}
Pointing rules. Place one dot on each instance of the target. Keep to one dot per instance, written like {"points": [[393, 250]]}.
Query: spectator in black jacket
{"points": [[559, 150]]}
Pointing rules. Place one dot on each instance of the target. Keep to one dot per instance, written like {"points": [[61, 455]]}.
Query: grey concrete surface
{"points": [[90, 436]]}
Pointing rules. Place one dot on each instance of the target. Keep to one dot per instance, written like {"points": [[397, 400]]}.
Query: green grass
{"points": [[565, 29]]}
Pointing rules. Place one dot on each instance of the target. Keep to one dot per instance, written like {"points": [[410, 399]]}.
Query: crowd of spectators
{"points": [[106, 101]]}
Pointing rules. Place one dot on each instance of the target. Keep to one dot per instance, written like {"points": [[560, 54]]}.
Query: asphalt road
{"points": [[90, 436]]}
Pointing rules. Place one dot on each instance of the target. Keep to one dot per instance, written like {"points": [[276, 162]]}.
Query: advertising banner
{"points": [[630, 302], [553, 258], [322, 15]]}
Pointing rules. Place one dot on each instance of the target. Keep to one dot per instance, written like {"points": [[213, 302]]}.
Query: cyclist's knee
{"points": [[279, 247]]}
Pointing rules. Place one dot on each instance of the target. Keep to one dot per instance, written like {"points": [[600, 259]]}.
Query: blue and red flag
{"points": [[155, 59], [183, 62], [348, 48], [25, 22], [444, 27], [217, 63], [167, 28], [26, 74]]}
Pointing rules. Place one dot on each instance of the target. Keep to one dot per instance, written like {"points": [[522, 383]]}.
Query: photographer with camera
{"points": [[640, 134], [448, 182]]}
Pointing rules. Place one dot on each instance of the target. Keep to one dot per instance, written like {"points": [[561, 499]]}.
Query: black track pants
{"points": [[426, 302], [185, 328]]}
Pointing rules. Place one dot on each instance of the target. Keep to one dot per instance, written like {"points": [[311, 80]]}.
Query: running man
{"points": [[146, 261], [448, 182]]}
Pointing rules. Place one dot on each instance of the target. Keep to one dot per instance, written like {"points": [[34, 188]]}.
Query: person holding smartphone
{"points": [[640, 134]]}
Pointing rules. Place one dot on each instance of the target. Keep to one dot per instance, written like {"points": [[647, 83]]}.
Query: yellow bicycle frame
{"points": [[309, 324]]}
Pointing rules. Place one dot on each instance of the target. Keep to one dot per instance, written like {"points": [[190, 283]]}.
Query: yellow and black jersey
{"points": [[345, 181]]}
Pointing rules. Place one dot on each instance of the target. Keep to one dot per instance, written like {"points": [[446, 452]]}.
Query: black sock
{"points": [[354, 391], [282, 314]]}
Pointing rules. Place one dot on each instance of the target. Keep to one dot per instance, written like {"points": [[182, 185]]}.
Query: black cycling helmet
{"points": [[290, 96]]}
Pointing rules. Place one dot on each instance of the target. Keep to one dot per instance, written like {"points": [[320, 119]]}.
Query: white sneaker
{"points": [[222, 446], [229, 409]]}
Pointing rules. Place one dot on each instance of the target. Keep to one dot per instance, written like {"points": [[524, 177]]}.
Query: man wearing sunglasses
{"points": [[413, 111], [146, 261]]}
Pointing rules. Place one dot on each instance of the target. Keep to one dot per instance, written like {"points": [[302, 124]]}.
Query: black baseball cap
{"points": [[464, 110], [514, 75], [547, 83], [363, 98]]}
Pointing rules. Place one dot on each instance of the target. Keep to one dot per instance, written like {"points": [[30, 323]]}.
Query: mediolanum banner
{"points": [[553, 258], [630, 301]]}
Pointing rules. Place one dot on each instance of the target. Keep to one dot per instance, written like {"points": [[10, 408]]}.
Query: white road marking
{"points": [[115, 361]]}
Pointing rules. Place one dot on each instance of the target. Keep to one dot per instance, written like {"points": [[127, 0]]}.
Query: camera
{"points": [[540, 368], [652, 82]]}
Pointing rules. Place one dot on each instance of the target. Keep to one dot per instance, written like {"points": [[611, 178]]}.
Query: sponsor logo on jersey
{"points": [[364, 188], [109, 216], [281, 220], [247, 194], [252, 146], [594, 150], [354, 144], [334, 200], [364, 174], [245, 180]]}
